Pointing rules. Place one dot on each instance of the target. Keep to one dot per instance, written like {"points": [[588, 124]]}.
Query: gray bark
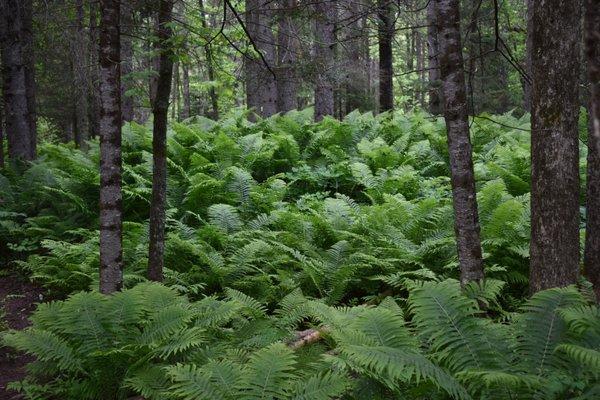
{"points": [[386, 69], [466, 220], [325, 15], [554, 144], [17, 99], [356, 82], [528, 50], [94, 72], [435, 95], [214, 98], [287, 79], [160, 110], [111, 208], [591, 259], [261, 86], [187, 106], [127, 106], [1, 136]]}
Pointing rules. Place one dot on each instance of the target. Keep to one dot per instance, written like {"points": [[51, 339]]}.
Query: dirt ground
{"points": [[18, 299]]}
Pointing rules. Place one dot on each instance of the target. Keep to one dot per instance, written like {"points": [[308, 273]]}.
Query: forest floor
{"points": [[18, 299]]}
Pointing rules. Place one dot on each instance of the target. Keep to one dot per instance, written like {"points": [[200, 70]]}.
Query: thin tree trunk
{"points": [[386, 70], [159, 144], [187, 107], [94, 78], [29, 62], [80, 78], [325, 15], [287, 80], [111, 208], [555, 144], [175, 92], [466, 220], [528, 56], [420, 68], [214, 99], [14, 73], [127, 106], [356, 76], [435, 99], [591, 259]]}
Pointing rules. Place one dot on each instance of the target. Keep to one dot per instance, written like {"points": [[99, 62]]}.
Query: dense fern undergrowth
{"points": [[283, 225]]}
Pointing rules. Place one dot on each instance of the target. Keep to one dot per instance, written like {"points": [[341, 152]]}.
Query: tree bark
{"points": [[356, 69], [466, 220], [80, 77], [214, 98], [186, 112], [29, 60], [261, 86], [591, 260], [127, 106], [325, 15], [21, 139], [159, 144], [555, 144], [435, 98], [1, 134], [287, 80], [386, 70], [528, 56], [111, 208], [94, 73]]}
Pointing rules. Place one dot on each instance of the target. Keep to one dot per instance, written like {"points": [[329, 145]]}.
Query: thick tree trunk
{"points": [[159, 144], [1, 134], [214, 98], [261, 86], [386, 70], [111, 208], [127, 106], [325, 15], [555, 144], [186, 111], [16, 76], [94, 73], [528, 56], [287, 80], [80, 77], [466, 220], [592, 237], [357, 89], [435, 96]]}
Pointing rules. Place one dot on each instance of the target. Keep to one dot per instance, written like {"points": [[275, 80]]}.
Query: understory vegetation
{"points": [[275, 228]]}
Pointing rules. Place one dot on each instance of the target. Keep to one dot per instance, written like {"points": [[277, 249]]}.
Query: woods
{"points": [[287, 199]]}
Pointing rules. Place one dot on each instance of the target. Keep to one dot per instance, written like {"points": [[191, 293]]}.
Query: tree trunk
{"points": [[435, 98], [111, 207], [261, 85], [386, 70], [591, 259], [325, 15], [127, 106], [528, 57], [1, 134], [287, 80], [21, 139], [94, 78], [159, 144], [356, 69], [186, 111], [555, 144], [420, 68], [175, 91], [80, 77], [29, 62], [466, 220], [214, 99]]}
